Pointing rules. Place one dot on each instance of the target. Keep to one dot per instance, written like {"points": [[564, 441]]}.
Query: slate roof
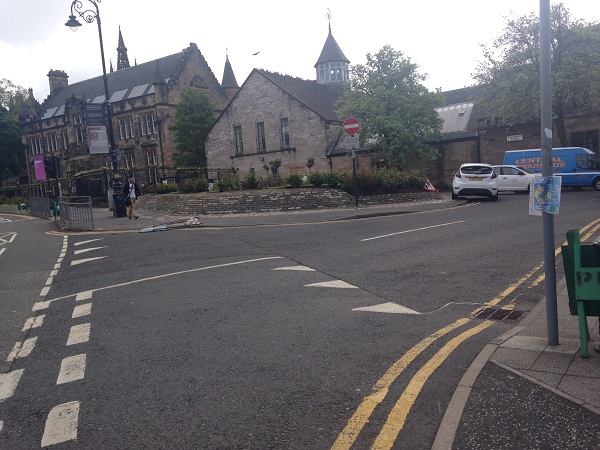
{"points": [[331, 51], [461, 113], [228, 76], [320, 98], [135, 81]]}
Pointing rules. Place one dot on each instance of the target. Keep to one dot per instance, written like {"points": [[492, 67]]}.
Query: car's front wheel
{"points": [[454, 196], [495, 197], [596, 184]]}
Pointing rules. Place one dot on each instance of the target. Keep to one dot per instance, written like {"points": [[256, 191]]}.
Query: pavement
{"points": [[519, 392]]}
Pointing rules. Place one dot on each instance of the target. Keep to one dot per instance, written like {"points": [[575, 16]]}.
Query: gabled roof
{"points": [[135, 81], [320, 98], [331, 51]]}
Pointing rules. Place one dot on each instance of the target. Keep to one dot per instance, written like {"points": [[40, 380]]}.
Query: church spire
{"points": [[229, 80], [122, 60], [332, 65]]}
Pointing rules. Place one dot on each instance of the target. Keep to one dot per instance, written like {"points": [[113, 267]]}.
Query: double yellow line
{"points": [[397, 417]]}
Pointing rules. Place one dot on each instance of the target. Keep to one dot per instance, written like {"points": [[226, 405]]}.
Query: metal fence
{"points": [[76, 212], [40, 206]]}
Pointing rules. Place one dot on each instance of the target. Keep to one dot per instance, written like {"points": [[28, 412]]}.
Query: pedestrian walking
{"points": [[132, 190]]}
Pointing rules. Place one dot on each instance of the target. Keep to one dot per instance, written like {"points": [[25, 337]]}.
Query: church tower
{"points": [[332, 66], [122, 60], [229, 83]]}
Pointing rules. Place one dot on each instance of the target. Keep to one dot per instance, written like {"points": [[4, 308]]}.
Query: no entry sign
{"points": [[351, 126]]}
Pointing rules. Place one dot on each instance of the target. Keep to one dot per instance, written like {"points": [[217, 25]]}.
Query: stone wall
{"points": [[267, 200]]}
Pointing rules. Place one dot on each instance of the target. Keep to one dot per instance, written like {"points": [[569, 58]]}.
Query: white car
{"points": [[514, 178], [475, 179]]}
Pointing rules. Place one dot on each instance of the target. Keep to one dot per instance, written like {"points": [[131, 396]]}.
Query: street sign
{"points": [[351, 126], [351, 142]]}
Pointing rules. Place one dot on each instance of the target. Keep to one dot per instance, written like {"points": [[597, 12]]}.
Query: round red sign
{"points": [[351, 126]]}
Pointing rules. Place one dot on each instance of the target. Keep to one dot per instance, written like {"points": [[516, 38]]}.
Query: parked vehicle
{"points": [[475, 179], [578, 166], [513, 178]]}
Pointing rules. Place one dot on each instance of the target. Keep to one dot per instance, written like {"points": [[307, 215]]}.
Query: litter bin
{"points": [[582, 273], [21, 206], [119, 208], [55, 209]]}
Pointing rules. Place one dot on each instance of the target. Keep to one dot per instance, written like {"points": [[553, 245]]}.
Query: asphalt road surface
{"points": [[328, 335]]}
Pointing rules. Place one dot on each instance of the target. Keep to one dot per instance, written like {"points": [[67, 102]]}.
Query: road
{"points": [[326, 335]]}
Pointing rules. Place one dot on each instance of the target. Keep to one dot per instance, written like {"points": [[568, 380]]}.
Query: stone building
{"points": [[278, 117], [143, 98]]}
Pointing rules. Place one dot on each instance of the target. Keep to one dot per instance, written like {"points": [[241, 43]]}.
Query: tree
{"points": [[510, 73], [12, 158], [194, 115], [11, 96], [395, 110]]}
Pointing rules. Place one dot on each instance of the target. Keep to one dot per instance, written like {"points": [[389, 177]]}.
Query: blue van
{"points": [[578, 166]]}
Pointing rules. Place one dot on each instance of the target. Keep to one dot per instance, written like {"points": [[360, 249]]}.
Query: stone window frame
{"points": [[261, 137], [284, 132], [238, 140], [78, 125]]}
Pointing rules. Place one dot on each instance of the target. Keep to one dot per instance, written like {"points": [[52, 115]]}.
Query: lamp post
{"points": [[89, 15]]}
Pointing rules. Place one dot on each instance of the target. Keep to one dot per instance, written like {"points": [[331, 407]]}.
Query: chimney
{"points": [[58, 79]]}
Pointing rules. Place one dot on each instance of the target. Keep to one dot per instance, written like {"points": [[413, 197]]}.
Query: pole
{"points": [[354, 176], [546, 137]]}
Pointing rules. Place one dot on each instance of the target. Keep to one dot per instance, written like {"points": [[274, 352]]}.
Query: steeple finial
{"points": [[329, 18], [122, 59]]}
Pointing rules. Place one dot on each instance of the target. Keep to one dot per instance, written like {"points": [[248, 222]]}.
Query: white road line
{"points": [[34, 322], [8, 383], [40, 305], [84, 296], [54, 273], [1, 425], [84, 250], [2, 250], [82, 261], [79, 334], [21, 350], [63, 254], [299, 268], [388, 308], [56, 266], [76, 244], [72, 369], [44, 291], [410, 231], [49, 281], [333, 284], [82, 310], [61, 425]]}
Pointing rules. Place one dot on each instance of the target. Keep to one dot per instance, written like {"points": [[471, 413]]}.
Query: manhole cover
{"points": [[498, 314]]}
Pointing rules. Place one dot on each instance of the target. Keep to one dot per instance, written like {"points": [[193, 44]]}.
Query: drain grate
{"points": [[498, 314]]}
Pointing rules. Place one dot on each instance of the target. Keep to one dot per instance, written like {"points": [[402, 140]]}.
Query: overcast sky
{"points": [[441, 36]]}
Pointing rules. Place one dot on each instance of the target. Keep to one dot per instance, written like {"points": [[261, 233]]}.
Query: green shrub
{"points": [[316, 178], [166, 188], [250, 181], [294, 179]]}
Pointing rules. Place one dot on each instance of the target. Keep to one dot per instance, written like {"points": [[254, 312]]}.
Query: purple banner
{"points": [[39, 168]]}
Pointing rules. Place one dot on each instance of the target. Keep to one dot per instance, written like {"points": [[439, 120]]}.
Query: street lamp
{"points": [[89, 15]]}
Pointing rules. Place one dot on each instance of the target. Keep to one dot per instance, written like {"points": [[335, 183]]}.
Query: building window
{"points": [[261, 141], [151, 157], [65, 140], [126, 128], [130, 123], [147, 121], [78, 121], [587, 139], [50, 141], [35, 145], [285, 133], [239, 144]]}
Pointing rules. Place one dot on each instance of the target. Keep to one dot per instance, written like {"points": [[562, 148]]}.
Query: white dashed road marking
{"points": [[84, 250], [77, 244], [61, 425], [84, 296], [22, 350], [79, 334], [8, 383], [72, 369], [33, 322], [82, 310]]}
